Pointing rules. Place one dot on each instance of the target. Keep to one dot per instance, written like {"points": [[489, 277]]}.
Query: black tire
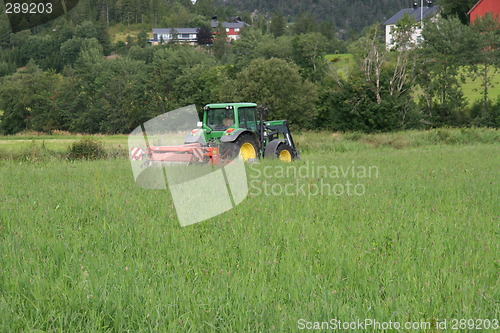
{"points": [[231, 150], [284, 152]]}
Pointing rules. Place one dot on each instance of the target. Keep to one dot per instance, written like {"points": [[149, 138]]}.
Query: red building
{"points": [[483, 7], [232, 28]]}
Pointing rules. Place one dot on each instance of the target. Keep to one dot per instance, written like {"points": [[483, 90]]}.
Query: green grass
{"points": [[472, 88], [342, 62], [120, 32], [83, 249]]}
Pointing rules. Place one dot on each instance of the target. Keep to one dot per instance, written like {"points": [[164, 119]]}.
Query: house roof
{"points": [[162, 31], [230, 25], [415, 13]]}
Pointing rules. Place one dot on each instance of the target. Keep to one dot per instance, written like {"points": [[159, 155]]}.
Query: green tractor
{"points": [[239, 128]]}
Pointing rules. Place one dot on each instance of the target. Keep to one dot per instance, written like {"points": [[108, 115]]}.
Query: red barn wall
{"points": [[485, 6]]}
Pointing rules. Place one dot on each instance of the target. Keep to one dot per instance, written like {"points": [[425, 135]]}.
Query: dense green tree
{"points": [[42, 49], [104, 38], [305, 23], [86, 30], [220, 44], [198, 21], [309, 53], [27, 99], [142, 38], [487, 58], [278, 85], [350, 105], [278, 25], [205, 7], [78, 103], [145, 54], [281, 47], [457, 8], [446, 49], [200, 85], [204, 35], [169, 64], [19, 39], [70, 50], [7, 68], [245, 47], [121, 97]]}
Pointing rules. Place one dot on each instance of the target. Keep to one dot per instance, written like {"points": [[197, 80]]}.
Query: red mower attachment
{"points": [[183, 154]]}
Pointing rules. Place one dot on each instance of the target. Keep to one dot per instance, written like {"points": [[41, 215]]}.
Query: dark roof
{"points": [[162, 31], [230, 25], [414, 13]]}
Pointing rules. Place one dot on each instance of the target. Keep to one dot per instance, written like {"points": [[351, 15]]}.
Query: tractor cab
{"points": [[220, 117]]}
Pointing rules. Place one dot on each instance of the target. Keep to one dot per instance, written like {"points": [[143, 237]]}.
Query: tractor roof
{"points": [[235, 105]]}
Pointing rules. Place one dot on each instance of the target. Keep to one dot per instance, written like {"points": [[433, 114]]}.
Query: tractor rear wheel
{"points": [[248, 147], [244, 146], [284, 153]]}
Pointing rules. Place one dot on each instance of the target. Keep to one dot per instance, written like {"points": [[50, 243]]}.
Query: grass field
{"points": [[120, 32], [342, 62], [472, 87], [83, 249]]}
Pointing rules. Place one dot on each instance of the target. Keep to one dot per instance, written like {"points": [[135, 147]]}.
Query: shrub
{"points": [[88, 149]]}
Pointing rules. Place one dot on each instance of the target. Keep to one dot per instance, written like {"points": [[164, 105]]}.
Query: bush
{"points": [[88, 149], [489, 117]]}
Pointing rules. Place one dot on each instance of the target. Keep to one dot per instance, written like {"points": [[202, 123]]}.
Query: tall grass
{"points": [[83, 249]]}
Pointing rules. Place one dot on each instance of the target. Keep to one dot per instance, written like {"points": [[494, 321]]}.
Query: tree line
{"points": [[73, 78]]}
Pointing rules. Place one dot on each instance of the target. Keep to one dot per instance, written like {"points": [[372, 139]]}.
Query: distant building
{"points": [[189, 35], [418, 14], [181, 35], [232, 28], [483, 7]]}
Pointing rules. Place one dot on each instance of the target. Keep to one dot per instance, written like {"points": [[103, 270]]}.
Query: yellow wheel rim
{"points": [[247, 151], [285, 156]]}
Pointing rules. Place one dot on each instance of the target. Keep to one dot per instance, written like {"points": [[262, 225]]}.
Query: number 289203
{"points": [[28, 8]]}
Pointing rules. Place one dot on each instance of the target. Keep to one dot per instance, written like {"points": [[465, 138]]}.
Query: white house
{"points": [[183, 35], [419, 14]]}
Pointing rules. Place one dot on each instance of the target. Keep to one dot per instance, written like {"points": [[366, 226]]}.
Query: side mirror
{"points": [[264, 111]]}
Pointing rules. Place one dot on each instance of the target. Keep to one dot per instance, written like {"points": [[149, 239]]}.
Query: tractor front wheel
{"points": [[284, 153]]}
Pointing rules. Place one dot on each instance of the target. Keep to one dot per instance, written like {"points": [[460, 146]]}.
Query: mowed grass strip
{"points": [[82, 248]]}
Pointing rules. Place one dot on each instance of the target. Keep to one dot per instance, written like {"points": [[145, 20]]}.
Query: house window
{"points": [[237, 29], [185, 35], [227, 29], [419, 39]]}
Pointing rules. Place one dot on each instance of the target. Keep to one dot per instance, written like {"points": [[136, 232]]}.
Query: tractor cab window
{"points": [[246, 117], [220, 119]]}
